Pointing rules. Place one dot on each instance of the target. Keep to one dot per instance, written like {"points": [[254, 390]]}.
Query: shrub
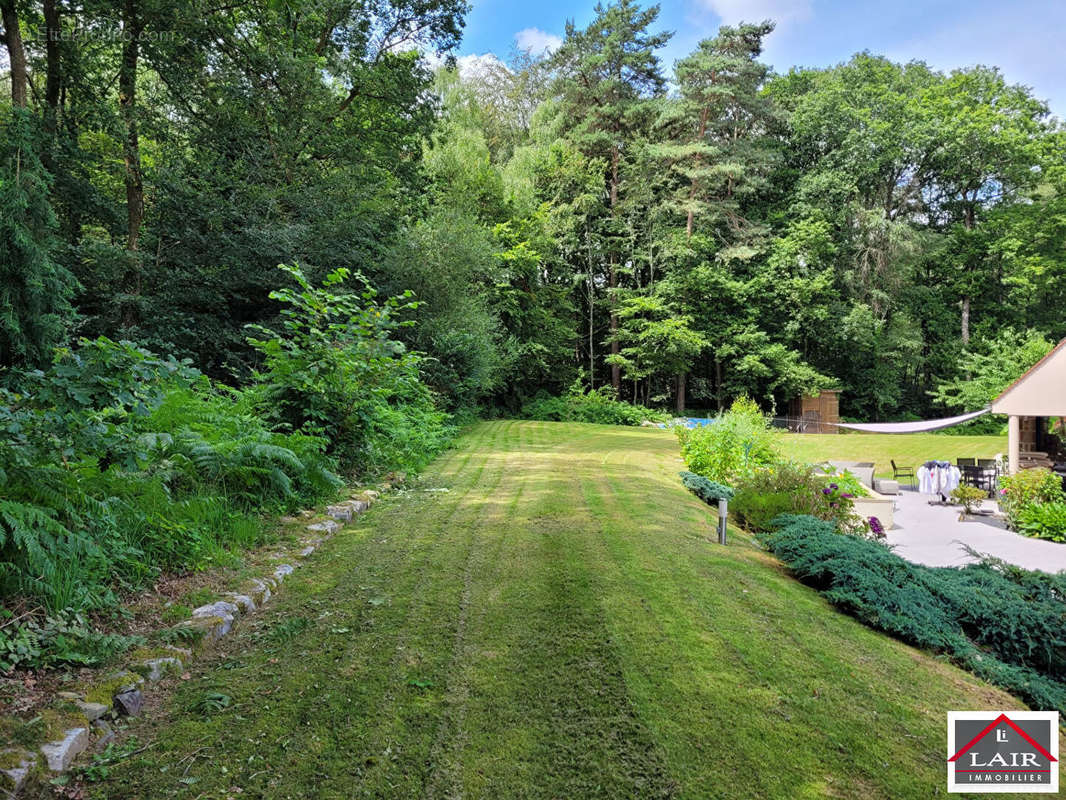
{"points": [[334, 370], [792, 488], [1006, 624], [735, 445], [1046, 521], [845, 481], [707, 491], [1039, 485], [116, 464], [599, 406], [969, 497]]}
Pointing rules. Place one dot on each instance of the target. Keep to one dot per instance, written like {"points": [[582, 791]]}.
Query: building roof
{"points": [[1041, 391]]}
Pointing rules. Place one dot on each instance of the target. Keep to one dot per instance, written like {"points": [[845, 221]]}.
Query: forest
{"points": [[682, 233], [588, 225]]}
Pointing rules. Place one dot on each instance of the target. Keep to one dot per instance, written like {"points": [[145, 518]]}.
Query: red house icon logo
{"points": [[994, 752]]}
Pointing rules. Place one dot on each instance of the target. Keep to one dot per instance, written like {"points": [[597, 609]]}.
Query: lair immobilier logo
{"points": [[989, 751]]}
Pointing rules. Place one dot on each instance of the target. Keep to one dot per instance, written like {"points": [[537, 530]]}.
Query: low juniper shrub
{"points": [[708, 491], [1006, 624]]}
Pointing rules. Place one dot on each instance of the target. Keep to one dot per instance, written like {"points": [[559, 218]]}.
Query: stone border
{"points": [[87, 715]]}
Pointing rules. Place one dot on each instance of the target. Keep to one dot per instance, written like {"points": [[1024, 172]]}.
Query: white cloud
{"points": [[780, 11], [473, 66], [535, 41]]}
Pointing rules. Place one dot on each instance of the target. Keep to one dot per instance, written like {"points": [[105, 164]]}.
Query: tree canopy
{"points": [[685, 233]]}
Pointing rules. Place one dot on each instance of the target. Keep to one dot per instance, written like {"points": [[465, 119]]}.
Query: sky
{"points": [[1024, 38]]}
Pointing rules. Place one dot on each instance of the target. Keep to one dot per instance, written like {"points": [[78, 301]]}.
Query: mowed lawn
{"points": [[908, 449], [557, 624]]}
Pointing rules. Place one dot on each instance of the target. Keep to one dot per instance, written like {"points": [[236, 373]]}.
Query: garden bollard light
{"points": [[723, 516]]}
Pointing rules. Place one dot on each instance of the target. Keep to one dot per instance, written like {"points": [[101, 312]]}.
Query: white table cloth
{"points": [[938, 477]]}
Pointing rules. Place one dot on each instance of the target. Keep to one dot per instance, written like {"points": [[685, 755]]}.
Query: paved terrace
{"points": [[933, 535]]}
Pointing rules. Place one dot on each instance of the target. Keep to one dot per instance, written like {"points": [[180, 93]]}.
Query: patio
{"points": [[934, 536]]}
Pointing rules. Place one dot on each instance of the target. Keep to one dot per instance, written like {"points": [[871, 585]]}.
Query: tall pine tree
{"points": [[608, 74]]}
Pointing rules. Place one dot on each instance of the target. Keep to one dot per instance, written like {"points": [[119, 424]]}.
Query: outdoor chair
{"points": [[965, 462], [903, 472], [980, 477]]}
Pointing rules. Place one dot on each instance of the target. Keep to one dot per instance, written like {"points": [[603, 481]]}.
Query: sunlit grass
{"points": [[558, 624], [908, 449]]}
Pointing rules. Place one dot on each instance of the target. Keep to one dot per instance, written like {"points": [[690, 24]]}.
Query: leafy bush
{"points": [[599, 405], [969, 497], [1043, 521], [335, 371], [1006, 624], [735, 445], [792, 488], [1027, 487], [845, 481], [117, 464]]}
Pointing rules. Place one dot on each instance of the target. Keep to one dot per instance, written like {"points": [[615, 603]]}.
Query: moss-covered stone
{"points": [[16, 767], [154, 669], [162, 651], [104, 691], [257, 590], [12, 757], [211, 628]]}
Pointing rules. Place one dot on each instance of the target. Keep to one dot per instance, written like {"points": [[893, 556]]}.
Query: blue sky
{"points": [[1024, 38]]}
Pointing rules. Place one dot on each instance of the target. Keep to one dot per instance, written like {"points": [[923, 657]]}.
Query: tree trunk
{"points": [[53, 68], [718, 383], [592, 343], [612, 277], [16, 53], [689, 226], [681, 394], [969, 221], [127, 98]]}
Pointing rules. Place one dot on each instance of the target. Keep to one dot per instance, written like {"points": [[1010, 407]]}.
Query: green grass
{"points": [[558, 624], [908, 450]]}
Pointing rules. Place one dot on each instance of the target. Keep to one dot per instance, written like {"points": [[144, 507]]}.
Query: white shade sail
{"points": [[913, 427]]}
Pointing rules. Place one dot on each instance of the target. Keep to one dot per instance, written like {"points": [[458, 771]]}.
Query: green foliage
{"points": [[1005, 624], [845, 481], [990, 366], [793, 488], [209, 702], [707, 491], [335, 371], [64, 638], [35, 310], [1026, 488], [1043, 521], [287, 629], [600, 406], [104, 761], [655, 339], [117, 465], [734, 445], [969, 497]]}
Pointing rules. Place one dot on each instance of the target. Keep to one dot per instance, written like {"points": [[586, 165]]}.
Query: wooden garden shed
{"points": [[816, 413]]}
